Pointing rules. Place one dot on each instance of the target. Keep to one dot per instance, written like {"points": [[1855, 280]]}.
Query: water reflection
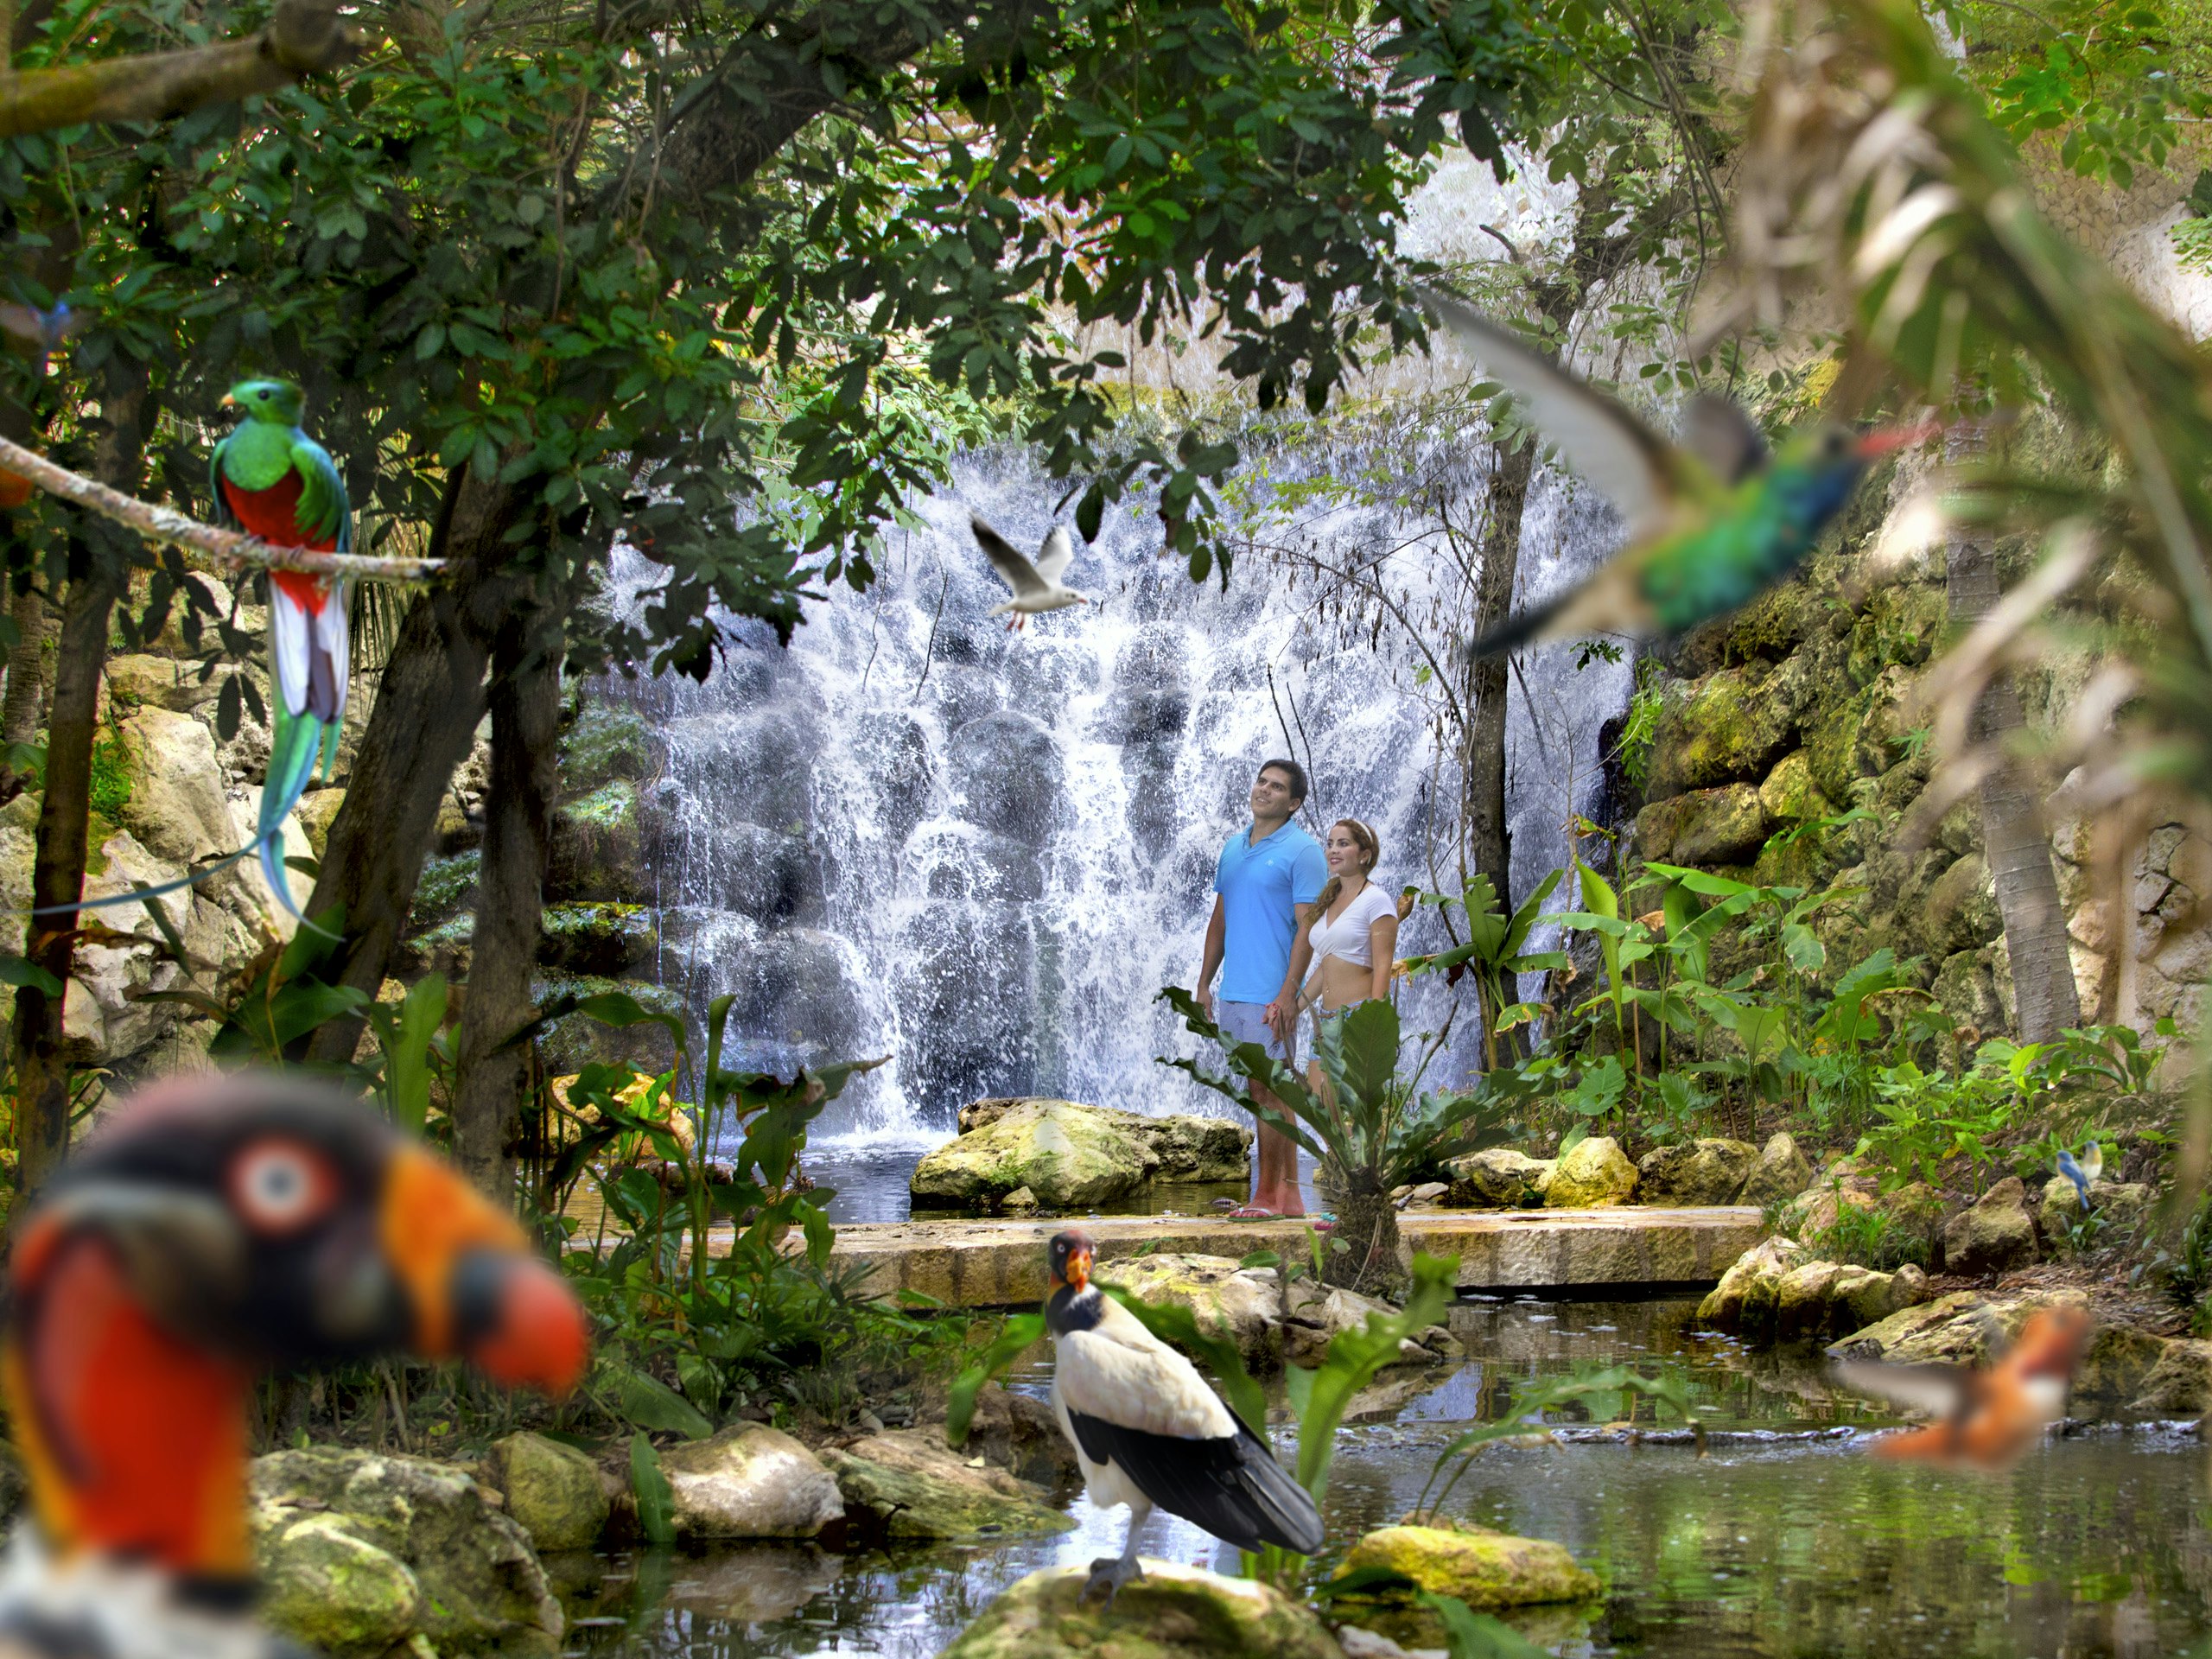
{"points": [[2090, 1549]]}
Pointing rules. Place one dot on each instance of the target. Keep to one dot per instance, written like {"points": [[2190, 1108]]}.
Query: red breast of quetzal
{"points": [[1712, 522], [271, 479]]}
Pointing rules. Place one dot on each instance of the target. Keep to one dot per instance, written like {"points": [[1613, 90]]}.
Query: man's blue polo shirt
{"points": [[1258, 886]]}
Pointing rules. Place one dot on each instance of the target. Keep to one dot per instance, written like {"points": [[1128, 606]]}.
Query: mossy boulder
{"points": [[1172, 1613], [1500, 1177], [2122, 1204], [1711, 1170], [2117, 1366], [1789, 795], [1592, 1174], [360, 1552], [1726, 825], [1746, 1297], [907, 1485], [1994, 1234], [1481, 1567], [749, 1481], [1727, 728], [2179, 1385], [552, 1491], [1189, 1148], [575, 1040], [1817, 1298], [1070, 1156], [1780, 1172], [1228, 1301], [608, 940], [606, 743], [597, 847]]}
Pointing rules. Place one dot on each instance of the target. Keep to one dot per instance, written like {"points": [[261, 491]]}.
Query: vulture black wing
{"points": [[1233, 1488]]}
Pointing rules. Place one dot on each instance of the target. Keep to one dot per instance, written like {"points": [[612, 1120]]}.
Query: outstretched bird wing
{"points": [[1053, 557], [1931, 1390], [1642, 475], [1013, 570]]}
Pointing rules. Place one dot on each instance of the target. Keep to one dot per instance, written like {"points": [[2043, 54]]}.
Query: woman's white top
{"points": [[1348, 936]]}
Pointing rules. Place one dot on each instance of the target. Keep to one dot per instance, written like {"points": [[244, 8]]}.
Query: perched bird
{"points": [[215, 1229], [273, 480], [1712, 522], [1149, 1433], [1037, 587], [1986, 1417], [2082, 1168]]}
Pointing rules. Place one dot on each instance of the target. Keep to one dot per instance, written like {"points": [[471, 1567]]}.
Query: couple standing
{"points": [[1284, 902]]}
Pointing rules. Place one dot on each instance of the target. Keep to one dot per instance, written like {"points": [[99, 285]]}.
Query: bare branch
{"points": [[304, 37], [228, 548]]}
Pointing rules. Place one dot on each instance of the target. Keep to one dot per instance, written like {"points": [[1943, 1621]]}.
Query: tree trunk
{"points": [[19, 709], [97, 577], [2045, 999], [525, 700], [1488, 840], [429, 702], [1367, 1228]]}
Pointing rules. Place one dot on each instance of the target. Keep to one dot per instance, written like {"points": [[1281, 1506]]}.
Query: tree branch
{"points": [[304, 37], [228, 548]]}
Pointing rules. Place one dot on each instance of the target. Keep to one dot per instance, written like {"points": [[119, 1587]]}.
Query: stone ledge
{"points": [[1000, 1263]]}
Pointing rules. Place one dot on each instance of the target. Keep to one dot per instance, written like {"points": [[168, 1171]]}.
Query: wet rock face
{"points": [[1994, 1235], [1008, 774], [1709, 1171], [966, 997], [361, 1552], [749, 1481], [1172, 1613], [1481, 1567]]}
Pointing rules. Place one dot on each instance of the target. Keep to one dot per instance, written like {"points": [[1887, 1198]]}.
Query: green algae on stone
{"points": [[552, 1491], [1172, 1613], [1704, 826], [1594, 1173], [338, 1593], [1710, 1170], [1728, 728], [1070, 1156], [908, 1485], [446, 884], [1482, 1568], [1500, 1177], [606, 743]]}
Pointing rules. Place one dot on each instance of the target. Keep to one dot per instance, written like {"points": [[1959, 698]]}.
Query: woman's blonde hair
{"points": [[1371, 849]]}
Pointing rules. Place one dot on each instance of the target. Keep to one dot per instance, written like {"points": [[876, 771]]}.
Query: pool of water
{"points": [[1796, 1543]]}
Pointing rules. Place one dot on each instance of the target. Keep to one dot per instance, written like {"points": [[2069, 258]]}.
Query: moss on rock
{"points": [[1172, 1613], [1481, 1567], [1704, 827], [908, 1485], [1070, 1156], [1592, 1174], [552, 1491]]}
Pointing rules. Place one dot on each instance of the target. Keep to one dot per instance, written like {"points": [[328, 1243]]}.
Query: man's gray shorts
{"points": [[1247, 1022]]}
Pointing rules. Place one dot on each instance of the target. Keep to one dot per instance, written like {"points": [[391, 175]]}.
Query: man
{"points": [[1264, 888]]}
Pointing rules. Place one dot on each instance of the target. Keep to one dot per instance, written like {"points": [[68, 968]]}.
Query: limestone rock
{"points": [[317, 811], [1018, 1433], [2117, 1366], [177, 806], [1964, 1328], [1019, 1202], [2120, 1202], [1190, 1148], [1813, 1213], [552, 1491], [1781, 1171], [1595, 1172], [749, 1481], [2179, 1385], [1745, 1298], [1728, 726], [1172, 1613], [360, 1552], [1499, 1178], [1070, 1156], [1994, 1235], [1243, 1305], [1707, 1171], [1704, 826], [1319, 1312], [906, 1483], [1790, 796], [1481, 1567], [1815, 1299]]}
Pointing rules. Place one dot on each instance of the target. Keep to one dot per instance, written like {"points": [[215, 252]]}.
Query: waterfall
{"points": [[915, 833]]}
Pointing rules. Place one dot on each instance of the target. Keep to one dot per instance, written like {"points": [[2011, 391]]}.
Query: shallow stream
{"points": [[1779, 1545]]}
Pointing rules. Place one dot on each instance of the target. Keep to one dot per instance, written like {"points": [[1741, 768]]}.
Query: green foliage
{"points": [[111, 769], [1470, 1635], [1612, 1387], [2185, 1267], [1640, 726], [1494, 949], [656, 1501], [1872, 1238]]}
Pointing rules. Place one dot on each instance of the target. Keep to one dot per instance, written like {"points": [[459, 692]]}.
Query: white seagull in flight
{"points": [[1037, 587]]}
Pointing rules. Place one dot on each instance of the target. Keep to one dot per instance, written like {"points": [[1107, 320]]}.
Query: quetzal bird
{"points": [[1712, 522], [214, 1229], [271, 479]]}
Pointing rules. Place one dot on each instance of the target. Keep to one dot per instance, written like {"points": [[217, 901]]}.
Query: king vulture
{"points": [[215, 1229], [1149, 1433]]}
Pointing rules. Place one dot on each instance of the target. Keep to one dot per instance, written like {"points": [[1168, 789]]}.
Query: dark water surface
{"points": [[1767, 1549]]}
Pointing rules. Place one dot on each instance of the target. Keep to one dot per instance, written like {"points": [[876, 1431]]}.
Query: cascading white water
{"points": [[916, 834]]}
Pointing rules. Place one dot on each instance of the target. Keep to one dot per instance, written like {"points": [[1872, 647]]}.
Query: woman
{"points": [[1355, 934]]}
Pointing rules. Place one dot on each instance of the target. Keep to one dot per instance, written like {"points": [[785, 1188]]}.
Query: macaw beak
{"points": [[1897, 437], [476, 1290]]}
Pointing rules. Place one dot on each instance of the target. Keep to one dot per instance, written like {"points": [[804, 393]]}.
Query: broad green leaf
{"points": [[1022, 1332], [650, 1403], [655, 1499]]}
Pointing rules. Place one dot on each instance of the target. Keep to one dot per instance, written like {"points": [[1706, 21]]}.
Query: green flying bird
{"points": [[1713, 521]]}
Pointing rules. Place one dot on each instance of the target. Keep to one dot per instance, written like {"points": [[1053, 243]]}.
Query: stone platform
{"points": [[989, 1263]]}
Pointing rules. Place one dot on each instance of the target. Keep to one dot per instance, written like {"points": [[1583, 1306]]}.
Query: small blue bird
{"points": [[2082, 1170]]}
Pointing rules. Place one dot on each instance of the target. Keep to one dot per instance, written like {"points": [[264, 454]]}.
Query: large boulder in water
{"points": [[361, 1553], [1190, 1148], [749, 1481], [552, 1491], [1480, 1567], [1710, 1170], [1008, 775], [1172, 1613], [1070, 1156], [1592, 1174], [907, 1485]]}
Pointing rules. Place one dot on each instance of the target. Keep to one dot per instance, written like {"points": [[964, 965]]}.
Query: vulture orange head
{"points": [[1072, 1254], [216, 1228]]}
